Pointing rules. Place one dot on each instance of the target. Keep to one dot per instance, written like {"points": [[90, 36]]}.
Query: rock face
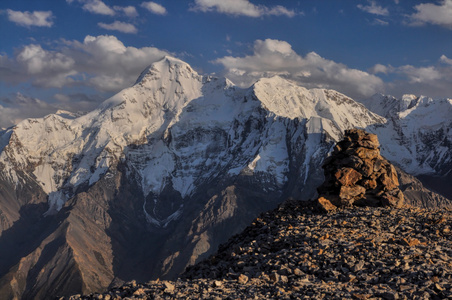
{"points": [[356, 174]]}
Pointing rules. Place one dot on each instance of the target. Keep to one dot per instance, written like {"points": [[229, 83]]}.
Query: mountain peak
{"points": [[168, 65]]}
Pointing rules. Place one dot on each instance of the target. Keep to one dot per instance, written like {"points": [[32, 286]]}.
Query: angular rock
{"points": [[242, 279], [347, 176], [325, 205]]}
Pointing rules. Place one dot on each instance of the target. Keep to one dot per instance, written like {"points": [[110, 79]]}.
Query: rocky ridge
{"points": [[296, 252], [367, 247]]}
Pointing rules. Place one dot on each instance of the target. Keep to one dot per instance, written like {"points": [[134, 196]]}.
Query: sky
{"points": [[73, 54]]}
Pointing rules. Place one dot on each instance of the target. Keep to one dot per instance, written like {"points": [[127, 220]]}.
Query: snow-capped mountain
{"points": [[177, 128], [418, 132], [166, 170]]}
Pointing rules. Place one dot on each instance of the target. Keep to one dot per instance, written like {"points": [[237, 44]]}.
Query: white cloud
{"points": [[44, 68], [274, 57], [419, 75], [91, 63], [241, 8], [154, 8], [380, 22], [434, 80], [95, 7], [379, 68], [119, 26], [445, 59], [98, 7], [27, 19], [433, 14], [374, 9], [129, 11]]}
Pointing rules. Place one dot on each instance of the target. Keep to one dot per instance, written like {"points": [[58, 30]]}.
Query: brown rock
{"points": [[392, 173], [242, 279], [388, 182], [352, 162], [350, 194], [325, 204], [365, 153], [169, 287], [139, 292], [218, 283], [389, 200], [369, 141], [378, 163], [347, 176], [410, 242], [369, 184], [367, 168]]}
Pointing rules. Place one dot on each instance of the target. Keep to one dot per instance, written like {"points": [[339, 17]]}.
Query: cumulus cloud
{"points": [[274, 57], [119, 26], [374, 9], [379, 68], [154, 8], [95, 7], [434, 80], [241, 8], [129, 11], [445, 59], [98, 7], [429, 13], [27, 19], [102, 62], [32, 62]]}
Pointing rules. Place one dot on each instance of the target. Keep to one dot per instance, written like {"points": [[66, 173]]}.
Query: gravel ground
{"points": [[296, 252]]}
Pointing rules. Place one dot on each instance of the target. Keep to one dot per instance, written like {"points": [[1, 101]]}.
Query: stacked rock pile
{"points": [[356, 174]]}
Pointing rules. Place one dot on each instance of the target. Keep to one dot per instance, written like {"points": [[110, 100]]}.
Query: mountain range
{"points": [[160, 174]]}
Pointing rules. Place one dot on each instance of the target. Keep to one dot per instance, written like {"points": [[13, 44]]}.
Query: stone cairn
{"points": [[356, 174]]}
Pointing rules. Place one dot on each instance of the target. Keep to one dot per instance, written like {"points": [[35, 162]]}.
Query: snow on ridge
{"points": [[184, 128], [417, 131], [97, 139]]}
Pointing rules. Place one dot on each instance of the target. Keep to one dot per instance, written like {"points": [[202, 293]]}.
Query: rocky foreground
{"points": [[296, 252], [358, 240]]}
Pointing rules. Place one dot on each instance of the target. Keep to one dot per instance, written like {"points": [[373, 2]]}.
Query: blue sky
{"points": [[72, 54]]}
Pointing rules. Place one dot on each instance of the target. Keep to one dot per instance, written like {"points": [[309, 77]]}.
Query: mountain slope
{"points": [[418, 134], [158, 176]]}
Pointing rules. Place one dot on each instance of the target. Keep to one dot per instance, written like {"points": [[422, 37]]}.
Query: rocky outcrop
{"points": [[356, 174]]}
